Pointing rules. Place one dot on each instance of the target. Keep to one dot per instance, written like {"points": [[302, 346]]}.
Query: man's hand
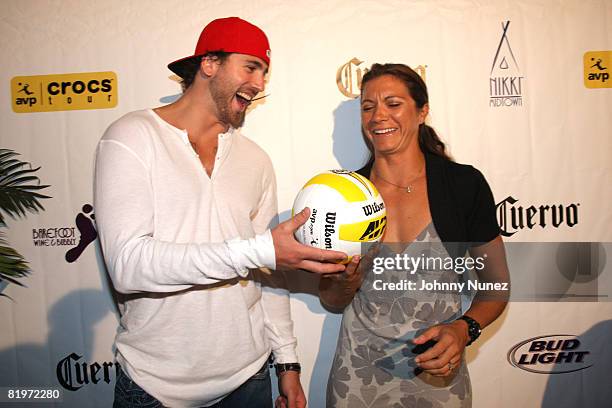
{"points": [[291, 392], [291, 254]]}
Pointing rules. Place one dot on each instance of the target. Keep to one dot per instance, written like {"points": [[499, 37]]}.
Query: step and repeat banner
{"points": [[519, 89]]}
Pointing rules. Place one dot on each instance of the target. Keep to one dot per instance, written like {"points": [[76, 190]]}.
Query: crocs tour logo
{"points": [[45, 93]]}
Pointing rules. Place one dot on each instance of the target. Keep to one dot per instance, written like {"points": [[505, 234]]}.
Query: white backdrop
{"points": [[551, 147]]}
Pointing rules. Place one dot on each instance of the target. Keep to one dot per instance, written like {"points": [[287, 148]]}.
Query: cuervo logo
{"points": [[73, 374], [513, 218], [350, 74]]}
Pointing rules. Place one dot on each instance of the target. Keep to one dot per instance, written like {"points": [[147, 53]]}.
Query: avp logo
{"points": [[513, 218], [45, 93], [24, 95], [597, 69], [350, 74], [556, 354], [505, 82]]}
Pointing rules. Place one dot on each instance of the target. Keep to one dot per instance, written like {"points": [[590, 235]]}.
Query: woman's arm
{"points": [[488, 305], [452, 338]]}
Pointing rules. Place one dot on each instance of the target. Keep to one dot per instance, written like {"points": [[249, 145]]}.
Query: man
{"points": [[183, 202]]}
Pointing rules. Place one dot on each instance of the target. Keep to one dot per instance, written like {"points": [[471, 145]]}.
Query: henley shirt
{"points": [[180, 247]]}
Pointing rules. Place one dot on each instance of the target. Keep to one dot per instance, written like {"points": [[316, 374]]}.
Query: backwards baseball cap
{"points": [[231, 34]]}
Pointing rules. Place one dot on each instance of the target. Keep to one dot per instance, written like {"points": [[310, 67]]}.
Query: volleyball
{"points": [[346, 210]]}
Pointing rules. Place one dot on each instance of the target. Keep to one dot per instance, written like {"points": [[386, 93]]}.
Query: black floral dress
{"points": [[374, 363]]}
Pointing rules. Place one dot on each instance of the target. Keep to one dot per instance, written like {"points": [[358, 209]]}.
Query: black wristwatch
{"points": [[282, 367], [474, 329]]}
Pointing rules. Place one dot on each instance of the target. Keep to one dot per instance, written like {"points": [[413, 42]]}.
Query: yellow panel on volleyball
{"points": [[343, 185], [364, 231]]}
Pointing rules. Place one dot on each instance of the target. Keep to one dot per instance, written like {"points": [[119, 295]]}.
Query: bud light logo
{"points": [[562, 353]]}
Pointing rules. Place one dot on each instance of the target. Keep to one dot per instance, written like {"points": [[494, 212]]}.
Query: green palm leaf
{"points": [[19, 194], [12, 264], [18, 187]]}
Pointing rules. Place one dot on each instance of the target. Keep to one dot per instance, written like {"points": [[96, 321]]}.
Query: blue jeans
{"points": [[256, 392]]}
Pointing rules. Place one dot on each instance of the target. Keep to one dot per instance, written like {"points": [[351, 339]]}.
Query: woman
{"points": [[404, 348]]}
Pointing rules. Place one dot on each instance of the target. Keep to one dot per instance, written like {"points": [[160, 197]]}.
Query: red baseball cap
{"points": [[230, 34]]}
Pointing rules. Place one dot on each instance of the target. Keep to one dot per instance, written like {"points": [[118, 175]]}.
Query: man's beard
{"points": [[222, 94]]}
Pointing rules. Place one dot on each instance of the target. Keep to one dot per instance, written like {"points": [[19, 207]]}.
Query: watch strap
{"points": [[474, 328], [282, 367]]}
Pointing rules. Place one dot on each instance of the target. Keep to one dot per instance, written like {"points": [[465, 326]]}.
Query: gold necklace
{"points": [[408, 188]]}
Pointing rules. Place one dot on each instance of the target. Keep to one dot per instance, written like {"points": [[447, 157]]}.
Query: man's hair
{"points": [[193, 65]]}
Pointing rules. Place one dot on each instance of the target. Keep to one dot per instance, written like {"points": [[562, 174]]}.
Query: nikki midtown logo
{"points": [[505, 82]]}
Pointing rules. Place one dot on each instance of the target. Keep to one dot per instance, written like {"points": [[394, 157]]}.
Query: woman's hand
{"points": [[441, 359], [337, 290]]}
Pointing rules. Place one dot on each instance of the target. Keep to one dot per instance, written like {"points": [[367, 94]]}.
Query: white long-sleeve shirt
{"points": [[195, 322]]}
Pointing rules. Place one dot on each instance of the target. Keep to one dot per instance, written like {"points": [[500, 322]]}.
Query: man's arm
{"points": [[137, 262]]}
